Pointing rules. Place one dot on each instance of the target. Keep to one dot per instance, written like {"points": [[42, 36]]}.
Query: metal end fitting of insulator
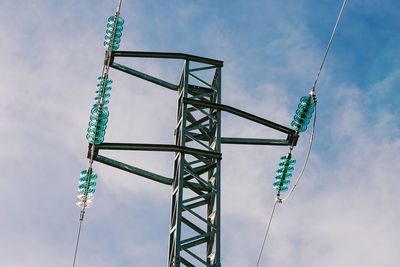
{"points": [[313, 96]]}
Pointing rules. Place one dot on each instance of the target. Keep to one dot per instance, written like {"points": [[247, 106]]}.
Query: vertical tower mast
{"points": [[195, 205]]}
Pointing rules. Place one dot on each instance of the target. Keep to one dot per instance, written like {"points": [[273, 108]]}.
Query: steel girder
{"points": [[195, 222], [195, 238]]}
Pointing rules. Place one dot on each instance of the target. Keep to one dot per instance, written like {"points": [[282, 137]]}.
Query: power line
{"points": [[329, 45], [77, 241], [266, 233], [311, 95]]}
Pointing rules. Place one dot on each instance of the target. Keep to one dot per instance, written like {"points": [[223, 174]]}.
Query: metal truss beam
{"points": [[255, 141], [241, 113], [195, 221], [132, 169], [195, 216], [209, 61], [158, 147], [144, 76]]}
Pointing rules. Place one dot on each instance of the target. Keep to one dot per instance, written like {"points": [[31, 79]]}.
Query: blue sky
{"points": [[343, 213]]}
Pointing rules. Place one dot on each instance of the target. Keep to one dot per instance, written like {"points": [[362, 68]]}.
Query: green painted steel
{"points": [[144, 76], [134, 170], [144, 54], [241, 113], [195, 221], [158, 147], [195, 214], [254, 141]]}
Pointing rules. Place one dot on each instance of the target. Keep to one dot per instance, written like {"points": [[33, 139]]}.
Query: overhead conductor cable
{"points": [[98, 119], [307, 106]]}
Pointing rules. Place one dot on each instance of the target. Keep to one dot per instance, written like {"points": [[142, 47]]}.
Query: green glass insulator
{"points": [[300, 120], [114, 47], [101, 79], [289, 162], [93, 175], [116, 39], [107, 89], [96, 141], [307, 101], [299, 127], [97, 98], [110, 27], [103, 117], [283, 176], [105, 102], [83, 185], [89, 191], [281, 182], [112, 20], [104, 111], [100, 124], [99, 133], [286, 168], [99, 128], [305, 109], [303, 115], [109, 32]]}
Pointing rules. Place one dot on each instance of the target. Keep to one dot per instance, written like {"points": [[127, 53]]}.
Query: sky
{"points": [[344, 212]]}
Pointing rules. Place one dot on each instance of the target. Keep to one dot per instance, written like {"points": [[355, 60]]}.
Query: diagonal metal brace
{"points": [[141, 172], [241, 113], [144, 76], [132, 169]]}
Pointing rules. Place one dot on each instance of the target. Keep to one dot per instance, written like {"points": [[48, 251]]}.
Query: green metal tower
{"points": [[195, 222]]}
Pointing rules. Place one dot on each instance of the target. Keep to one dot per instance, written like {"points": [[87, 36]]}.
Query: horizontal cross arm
{"points": [[254, 141], [204, 60], [158, 147]]}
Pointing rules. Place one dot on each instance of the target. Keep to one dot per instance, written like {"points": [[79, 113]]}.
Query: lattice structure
{"points": [[195, 225], [195, 207]]}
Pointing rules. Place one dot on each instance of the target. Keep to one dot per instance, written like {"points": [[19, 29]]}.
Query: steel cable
{"points": [[311, 94], [266, 233]]}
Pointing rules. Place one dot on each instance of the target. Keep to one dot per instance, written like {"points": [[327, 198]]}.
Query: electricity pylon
{"points": [[195, 222]]}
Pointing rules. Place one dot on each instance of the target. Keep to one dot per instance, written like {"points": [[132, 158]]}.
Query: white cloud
{"points": [[342, 213]]}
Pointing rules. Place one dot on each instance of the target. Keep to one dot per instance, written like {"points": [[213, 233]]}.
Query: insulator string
{"points": [[101, 97], [307, 157]]}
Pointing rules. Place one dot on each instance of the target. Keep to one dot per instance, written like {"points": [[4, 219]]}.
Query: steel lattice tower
{"points": [[195, 222]]}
